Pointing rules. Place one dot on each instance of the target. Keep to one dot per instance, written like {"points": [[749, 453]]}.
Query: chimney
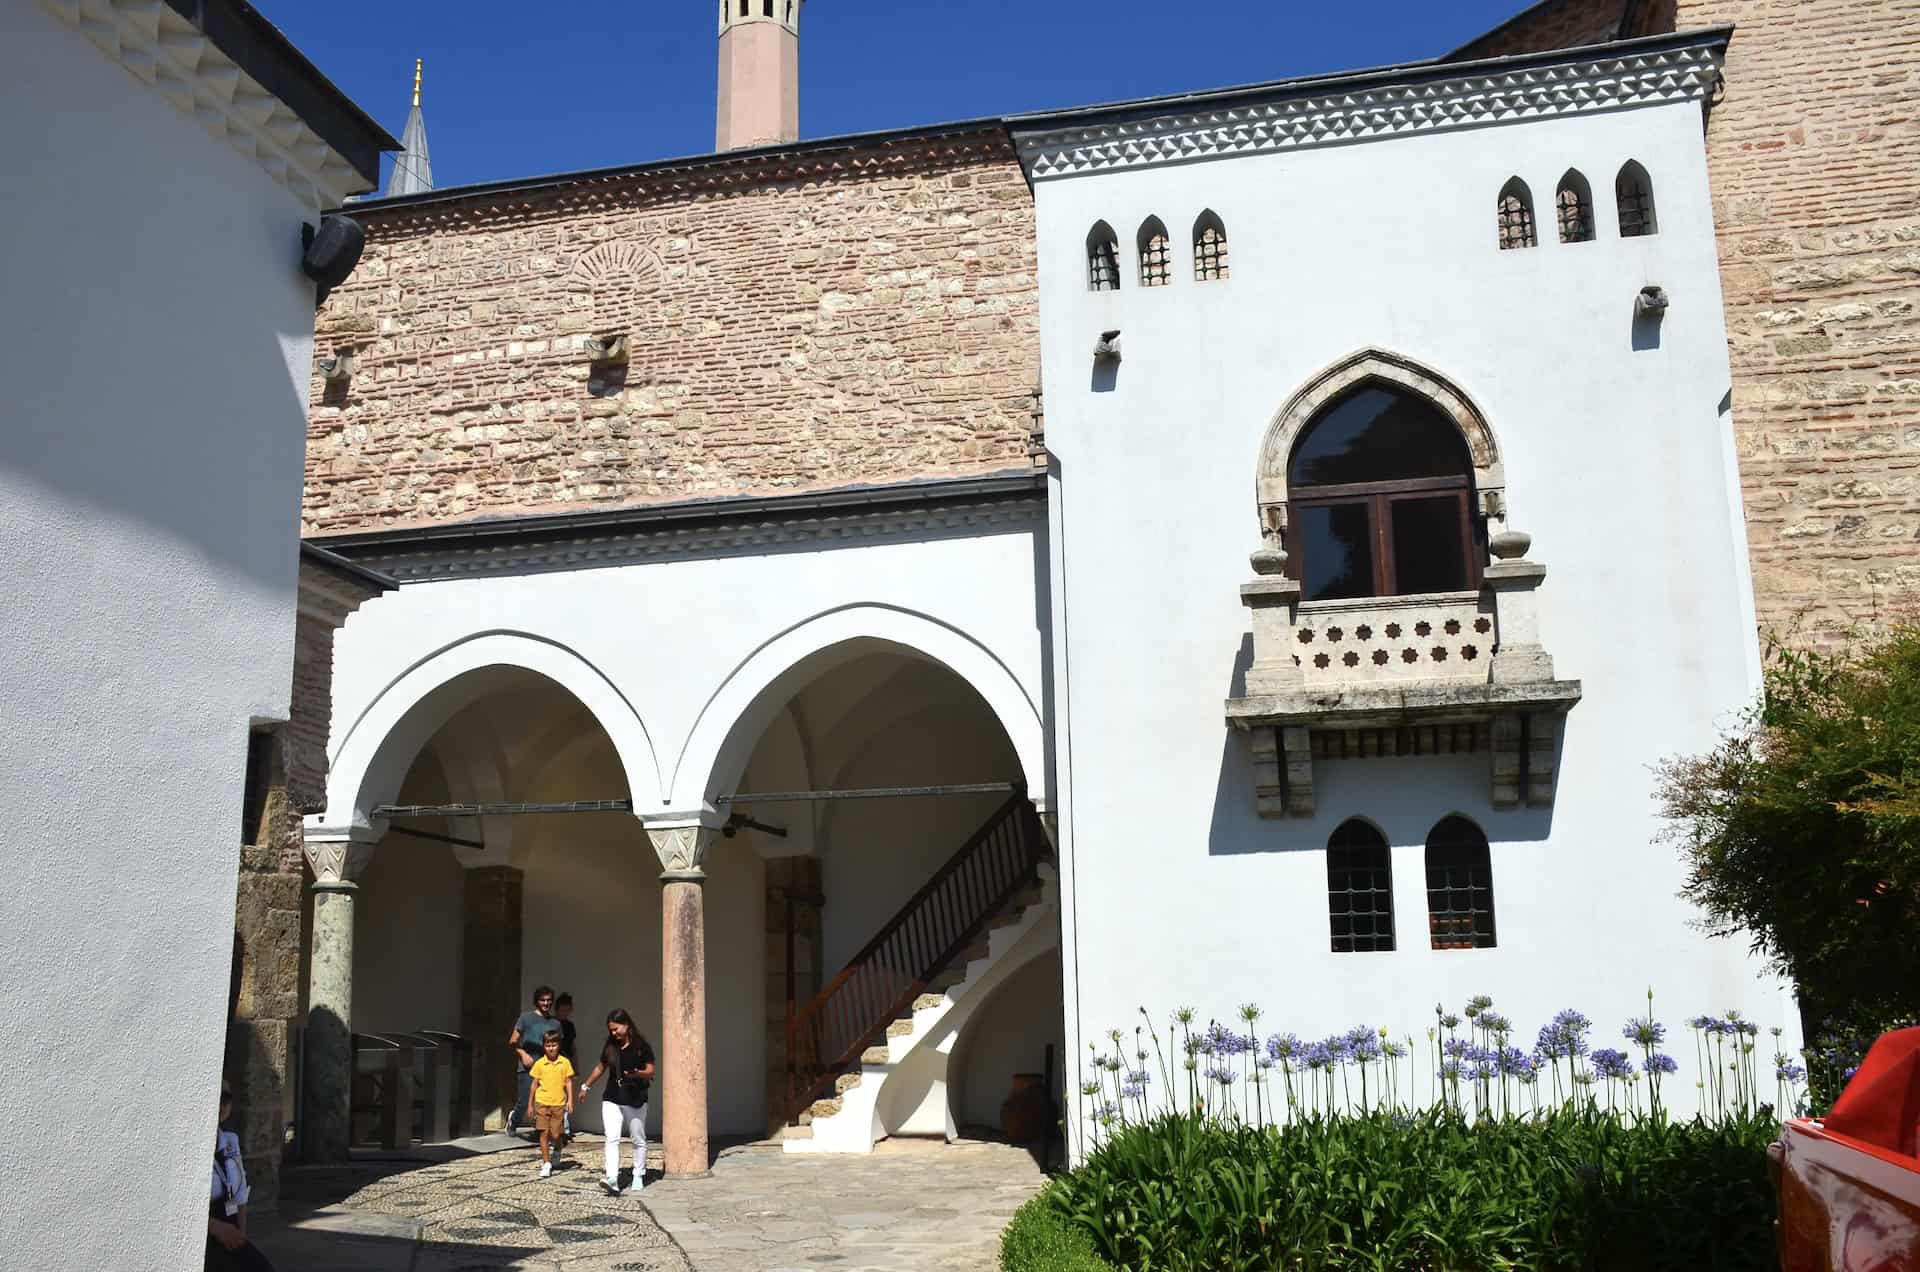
{"points": [[759, 73]]}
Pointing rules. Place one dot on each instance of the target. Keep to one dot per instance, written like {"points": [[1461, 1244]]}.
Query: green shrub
{"points": [[1433, 1192], [1041, 1239]]}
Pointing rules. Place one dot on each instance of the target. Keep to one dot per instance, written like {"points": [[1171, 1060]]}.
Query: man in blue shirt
{"points": [[528, 1036]]}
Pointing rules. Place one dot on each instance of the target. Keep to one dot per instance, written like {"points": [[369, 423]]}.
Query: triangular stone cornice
{"points": [[163, 50], [1575, 86]]}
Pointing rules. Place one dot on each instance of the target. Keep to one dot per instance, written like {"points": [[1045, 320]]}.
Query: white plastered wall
{"points": [[1617, 461], [155, 347]]}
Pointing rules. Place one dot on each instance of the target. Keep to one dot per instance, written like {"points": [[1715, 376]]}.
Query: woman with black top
{"points": [[627, 1061]]}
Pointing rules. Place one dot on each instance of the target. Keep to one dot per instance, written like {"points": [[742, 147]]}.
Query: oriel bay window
{"points": [[1381, 487]]}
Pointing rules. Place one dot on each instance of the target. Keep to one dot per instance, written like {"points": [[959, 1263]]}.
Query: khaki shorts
{"points": [[549, 1119]]}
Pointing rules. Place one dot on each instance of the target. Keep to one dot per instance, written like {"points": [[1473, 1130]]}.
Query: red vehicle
{"points": [[1849, 1183]]}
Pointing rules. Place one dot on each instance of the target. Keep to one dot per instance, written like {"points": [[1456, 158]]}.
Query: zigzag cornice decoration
{"points": [[439, 559], [1569, 88], [176, 59]]}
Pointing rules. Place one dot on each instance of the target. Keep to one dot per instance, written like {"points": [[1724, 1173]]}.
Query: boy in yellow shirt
{"points": [[550, 1099]]}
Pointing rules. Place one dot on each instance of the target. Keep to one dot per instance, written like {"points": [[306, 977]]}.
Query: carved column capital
{"points": [[339, 855], [682, 840]]}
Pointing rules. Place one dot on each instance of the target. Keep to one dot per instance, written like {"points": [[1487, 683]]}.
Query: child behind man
{"points": [[550, 1102]]}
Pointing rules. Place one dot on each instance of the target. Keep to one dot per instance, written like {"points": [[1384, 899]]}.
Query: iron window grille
{"points": [[1633, 192], [1576, 215], [1516, 220], [1359, 889], [1210, 254], [1103, 263], [1155, 260], [1459, 887]]}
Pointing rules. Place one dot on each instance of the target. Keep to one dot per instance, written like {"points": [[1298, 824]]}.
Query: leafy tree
{"points": [[1802, 827]]}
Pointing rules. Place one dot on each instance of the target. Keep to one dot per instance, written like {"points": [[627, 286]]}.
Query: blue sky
{"points": [[519, 89]]}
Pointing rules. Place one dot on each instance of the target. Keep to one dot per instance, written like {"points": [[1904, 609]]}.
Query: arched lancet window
{"points": [[1156, 257], [1515, 209], [1573, 205], [1359, 889], [1633, 192], [1381, 486], [1209, 248], [1459, 887], [1103, 258]]}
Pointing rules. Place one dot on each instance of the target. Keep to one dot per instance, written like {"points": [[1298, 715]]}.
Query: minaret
{"points": [[412, 169], [759, 73]]}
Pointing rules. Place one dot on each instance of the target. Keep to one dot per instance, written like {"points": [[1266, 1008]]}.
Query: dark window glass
{"points": [[1359, 889], [1377, 433], [1459, 886], [253, 795], [1336, 542], [1428, 552]]}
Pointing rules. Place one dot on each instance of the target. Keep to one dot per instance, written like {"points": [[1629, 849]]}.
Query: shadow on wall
{"points": [[1427, 788]]}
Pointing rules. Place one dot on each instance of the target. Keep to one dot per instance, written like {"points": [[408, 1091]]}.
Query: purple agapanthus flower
{"points": [[1363, 1044], [1514, 1062], [1662, 1063], [1455, 1048], [1283, 1046], [1493, 1022], [1646, 1032], [1563, 1036], [1608, 1063], [1133, 1090], [1787, 1071], [1222, 1074]]}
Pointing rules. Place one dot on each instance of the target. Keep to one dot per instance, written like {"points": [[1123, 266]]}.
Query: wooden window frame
{"points": [[1379, 498]]}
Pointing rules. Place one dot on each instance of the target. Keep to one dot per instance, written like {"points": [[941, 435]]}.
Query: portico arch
{"points": [[1276, 448], [733, 720], [377, 748]]}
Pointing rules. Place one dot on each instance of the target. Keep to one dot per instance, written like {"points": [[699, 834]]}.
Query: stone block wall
{"points": [[824, 316], [1814, 154]]}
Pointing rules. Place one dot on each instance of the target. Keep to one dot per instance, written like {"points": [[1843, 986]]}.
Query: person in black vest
{"points": [[627, 1060], [228, 1249]]}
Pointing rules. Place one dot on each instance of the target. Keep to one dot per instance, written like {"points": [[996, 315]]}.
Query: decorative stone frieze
{"points": [[682, 840], [1347, 108], [161, 48], [339, 856]]}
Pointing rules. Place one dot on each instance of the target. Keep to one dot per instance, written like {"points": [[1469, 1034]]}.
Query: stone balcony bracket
{"points": [[1438, 674]]}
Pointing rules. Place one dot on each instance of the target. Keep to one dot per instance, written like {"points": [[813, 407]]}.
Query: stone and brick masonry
{"points": [[1814, 152], [819, 316]]}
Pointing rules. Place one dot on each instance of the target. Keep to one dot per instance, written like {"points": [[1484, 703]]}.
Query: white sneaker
{"points": [[610, 1185], [546, 1168]]}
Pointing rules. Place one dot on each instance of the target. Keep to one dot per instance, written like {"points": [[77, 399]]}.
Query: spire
{"points": [[412, 169]]}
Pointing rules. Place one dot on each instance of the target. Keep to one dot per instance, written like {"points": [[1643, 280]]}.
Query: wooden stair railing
{"points": [[826, 1036]]}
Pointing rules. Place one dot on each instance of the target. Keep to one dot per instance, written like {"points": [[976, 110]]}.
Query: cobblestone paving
{"points": [[494, 1212], [910, 1207]]}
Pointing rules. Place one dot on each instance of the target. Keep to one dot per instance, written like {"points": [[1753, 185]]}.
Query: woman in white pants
{"points": [[627, 1060]]}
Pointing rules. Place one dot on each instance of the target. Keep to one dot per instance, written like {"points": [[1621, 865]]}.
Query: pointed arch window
{"points": [[1573, 207], [1209, 248], [1459, 886], [1103, 258], [1633, 193], [1382, 499], [1359, 889], [1515, 212], [1156, 256]]}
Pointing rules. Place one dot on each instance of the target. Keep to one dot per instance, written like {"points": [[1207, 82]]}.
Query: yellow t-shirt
{"points": [[550, 1078]]}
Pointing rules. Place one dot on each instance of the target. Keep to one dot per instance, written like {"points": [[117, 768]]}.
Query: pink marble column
{"points": [[682, 842]]}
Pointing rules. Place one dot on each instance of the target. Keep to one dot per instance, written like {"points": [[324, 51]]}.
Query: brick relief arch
{"points": [[609, 278], [1483, 449]]}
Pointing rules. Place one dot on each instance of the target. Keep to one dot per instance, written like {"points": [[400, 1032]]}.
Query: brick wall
{"points": [[1557, 24], [309, 715], [858, 314], [1815, 159]]}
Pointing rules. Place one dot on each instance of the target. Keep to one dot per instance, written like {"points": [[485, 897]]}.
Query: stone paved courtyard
{"points": [[910, 1206]]}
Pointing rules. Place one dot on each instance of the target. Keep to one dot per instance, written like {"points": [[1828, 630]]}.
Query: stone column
{"points": [[490, 998], [337, 858], [682, 841]]}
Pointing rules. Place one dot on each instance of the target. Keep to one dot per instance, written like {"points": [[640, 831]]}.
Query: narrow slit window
{"points": [[1155, 257], [1103, 259], [1209, 248], [253, 795], [1633, 192], [1573, 204], [1459, 887], [1359, 889], [1515, 208]]}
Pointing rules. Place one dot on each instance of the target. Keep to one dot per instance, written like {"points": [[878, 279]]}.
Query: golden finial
{"points": [[416, 80]]}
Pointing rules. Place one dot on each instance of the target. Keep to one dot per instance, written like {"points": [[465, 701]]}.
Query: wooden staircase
{"points": [[922, 950]]}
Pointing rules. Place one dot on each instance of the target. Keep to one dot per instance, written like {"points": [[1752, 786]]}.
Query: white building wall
{"points": [[155, 347], [1616, 462]]}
